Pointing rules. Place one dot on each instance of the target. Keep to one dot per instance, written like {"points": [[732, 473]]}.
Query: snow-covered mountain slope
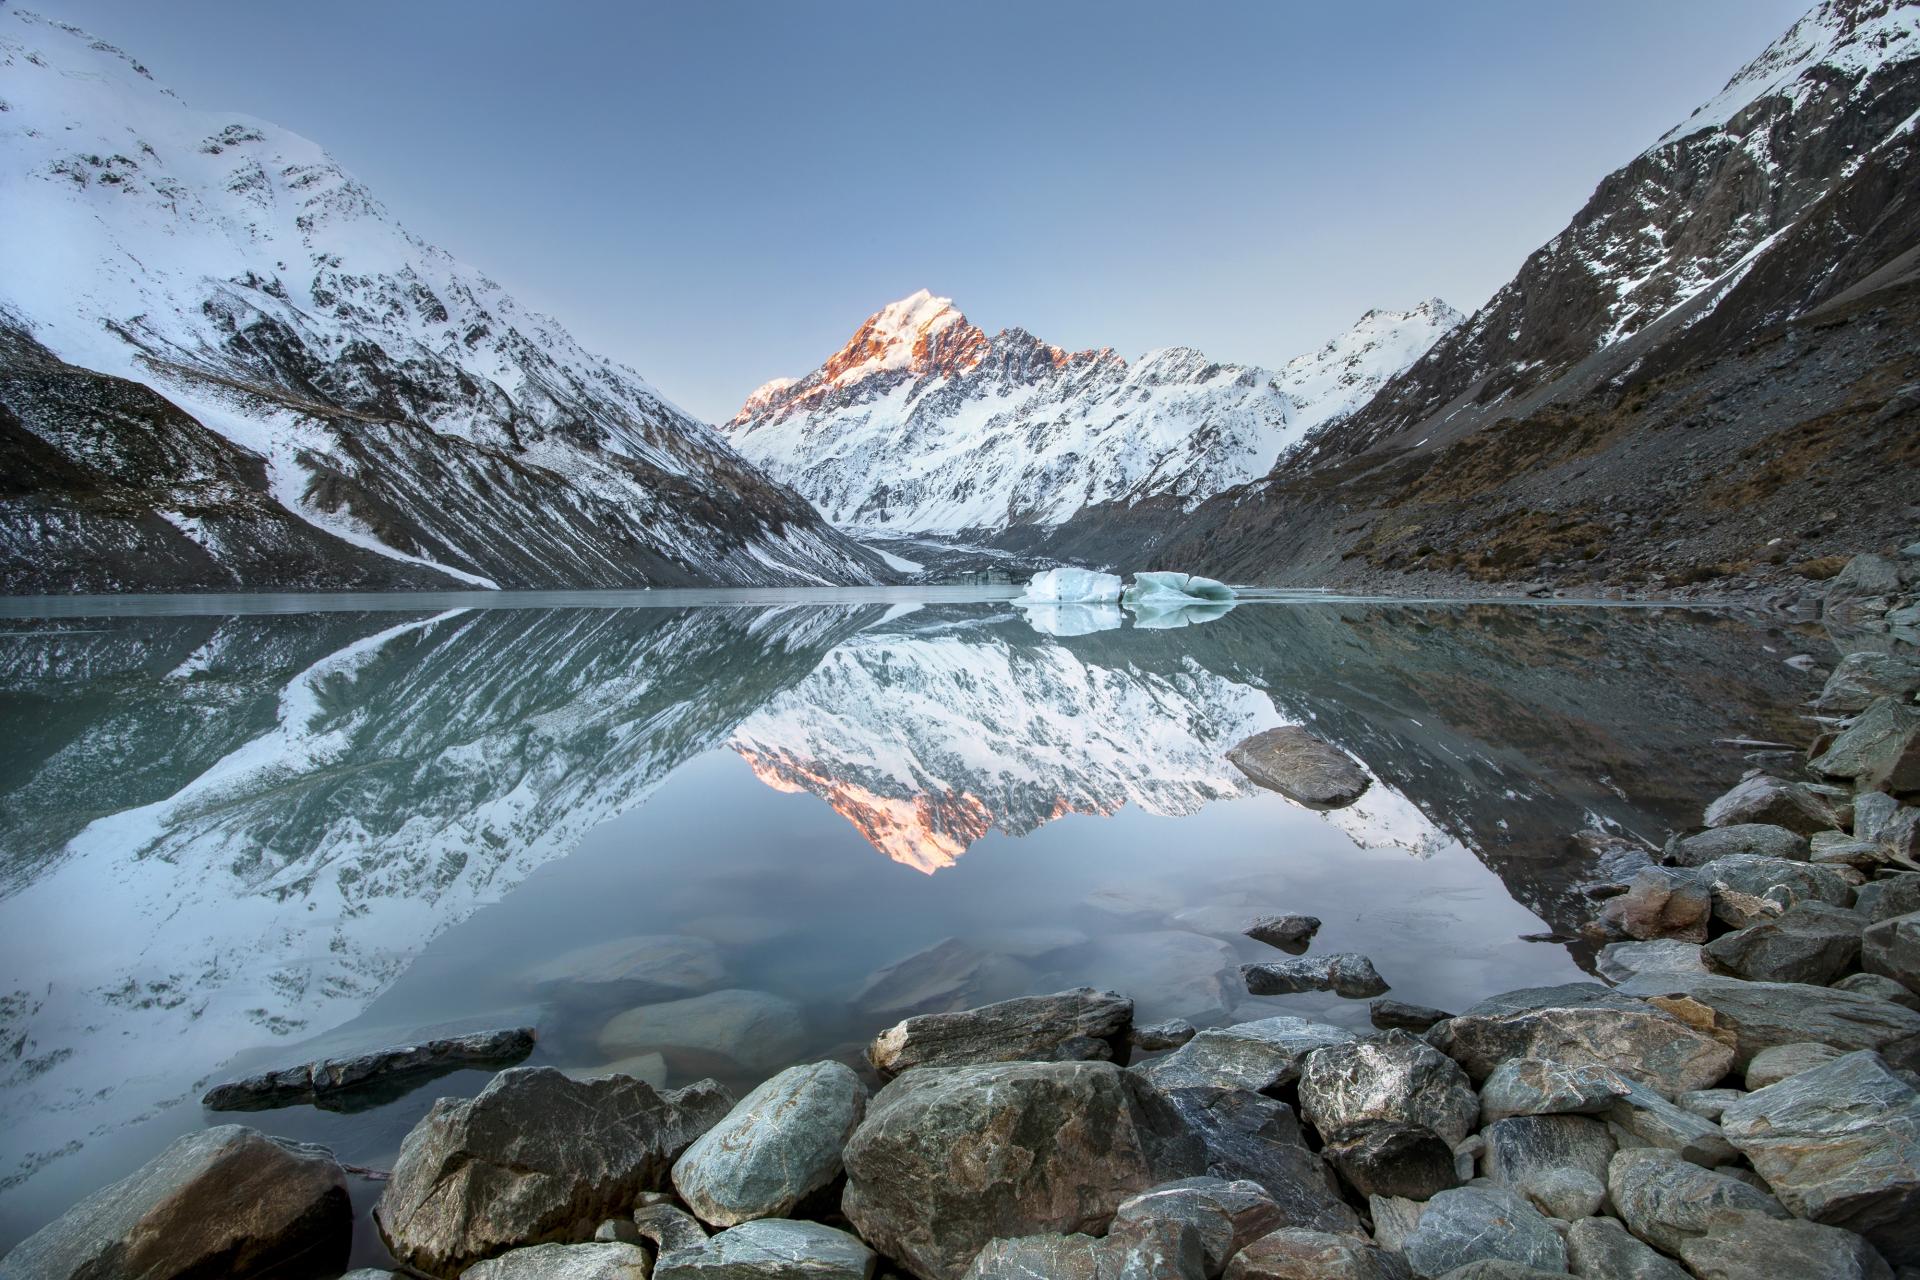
{"points": [[389, 397], [923, 422]]}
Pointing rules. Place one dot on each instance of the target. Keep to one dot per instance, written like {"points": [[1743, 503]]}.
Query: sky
{"points": [[718, 192]]}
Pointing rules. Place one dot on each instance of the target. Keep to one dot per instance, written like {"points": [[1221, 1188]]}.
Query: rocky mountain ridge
{"points": [[225, 364], [922, 422]]}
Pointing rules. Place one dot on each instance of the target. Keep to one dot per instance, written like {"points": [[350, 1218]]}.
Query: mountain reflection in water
{"points": [[243, 841]]}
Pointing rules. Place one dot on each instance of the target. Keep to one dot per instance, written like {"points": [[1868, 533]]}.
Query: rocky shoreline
{"points": [[1740, 1097]]}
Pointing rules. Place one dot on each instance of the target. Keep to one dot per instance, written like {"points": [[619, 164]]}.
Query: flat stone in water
{"points": [[1301, 767], [1347, 973], [321, 1080]]}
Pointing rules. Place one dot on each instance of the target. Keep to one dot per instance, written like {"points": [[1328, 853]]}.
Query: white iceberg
{"points": [[1072, 619], [1174, 590], [1072, 586]]}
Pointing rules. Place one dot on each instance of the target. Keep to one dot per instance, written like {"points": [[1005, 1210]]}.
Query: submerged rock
{"points": [[949, 1158], [1079, 1024], [1301, 767], [950, 974], [1389, 1015], [780, 1144], [534, 1157], [224, 1202], [754, 1028], [1345, 973], [319, 1081]]}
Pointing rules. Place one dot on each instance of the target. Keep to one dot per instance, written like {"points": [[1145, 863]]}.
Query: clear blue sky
{"points": [[718, 192]]}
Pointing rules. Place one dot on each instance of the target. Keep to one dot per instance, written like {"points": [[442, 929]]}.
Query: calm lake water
{"points": [[237, 834]]}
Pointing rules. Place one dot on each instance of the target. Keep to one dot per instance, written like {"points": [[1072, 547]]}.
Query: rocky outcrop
{"points": [[535, 1157], [224, 1202]]}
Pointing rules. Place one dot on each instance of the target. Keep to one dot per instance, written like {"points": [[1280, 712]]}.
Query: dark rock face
{"points": [[1301, 767], [534, 1158], [1081, 1024], [320, 1081], [1891, 949], [1396, 1015], [1389, 1158], [225, 1202], [1291, 933], [949, 1158], [1812, 942], [1840, 1145]]}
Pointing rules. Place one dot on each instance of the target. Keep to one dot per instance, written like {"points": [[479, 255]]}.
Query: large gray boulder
{"points": [[1666, 1200], [771, 1249], [600, 1260], [1659, 903], [1889, 823], [1249, 1136], [1879, 751], [1752, 876], [1081, 1024], [1810, 942], [779, 1145], [1771, 1248], [224, 1202], [1758, 838], [1859, 679], [1256, 1055], [1390, 1076], [1619, 961], [1861, 591], [949, 1158], [1601, 1249], [1226, 1215], [1886, 898], [1475, 1224], [1643, 1043], [1540, 1087], [1301, 767], [1759, 1015], [1771, 802], [534, 1158], [1771, 1066], [1522, 1148], [1891, 949], [1840, 1145], [1295, 1254], [1646, 1117]]}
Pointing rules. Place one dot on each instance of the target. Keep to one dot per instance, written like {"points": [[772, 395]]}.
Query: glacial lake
{"points": [[246, 832]]}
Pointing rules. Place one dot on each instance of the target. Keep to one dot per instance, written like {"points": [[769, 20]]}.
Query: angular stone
{"points": [[1391, 1015], [1294, 1254], [1646, 1117], [1754, 876], [595, 1261], [1772, 802], [1884, 899], [1566, 1194], [1394, 1218], [1810, 942], [778, 1145], [1250, 1136], [1709, 1103], [1538, 1087], [1565, 995], [1473, 1224], [1619, 961], [1838, 849], [1345, 973], [1301, 767], [1154, 1249], [1886, 821], [1666, 1200], [1859, 679], [1042, 1257], [1840, 1145], [535, 1157], [755, 1029], [1859, 591], [1256, 1055], [1170, 1034], [320, 1081], [1756, 838], [1391, 1076], [771, 1249], [1642, 1043], [1659, 903], [949, 1158], [224, 1202], [1601, 1249], [1520, 1148], [1226, 1215], [1879, 988], [1291, 934], [669, 1227], [1891, 948], [1771, 1066], [1879, 751], [1760, 1015], [1769, 1248], [1390, 1158], [1081, 1024]]}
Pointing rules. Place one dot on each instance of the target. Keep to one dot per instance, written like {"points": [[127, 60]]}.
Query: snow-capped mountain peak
{"points": [[1330, 383]]}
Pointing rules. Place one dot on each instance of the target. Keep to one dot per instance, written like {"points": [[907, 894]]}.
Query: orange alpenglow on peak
{"points": [[925, 832]]}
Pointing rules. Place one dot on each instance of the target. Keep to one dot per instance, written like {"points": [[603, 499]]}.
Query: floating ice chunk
{"points": [[1072, 586], [1072, 619], [1168, 590]]}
